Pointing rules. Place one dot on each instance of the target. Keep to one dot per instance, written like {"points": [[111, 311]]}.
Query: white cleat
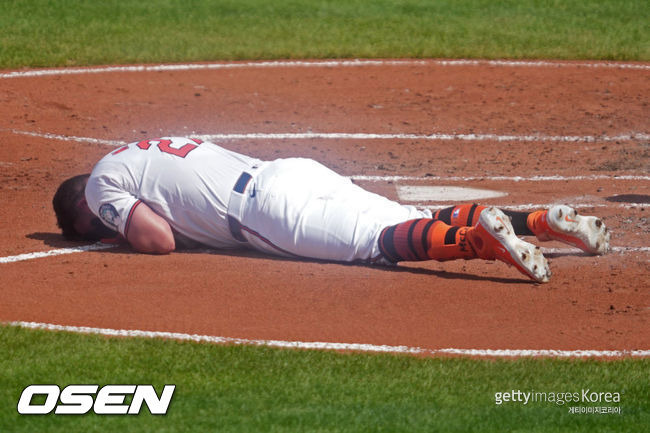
{"points": [[495, 238], [585, 232]]}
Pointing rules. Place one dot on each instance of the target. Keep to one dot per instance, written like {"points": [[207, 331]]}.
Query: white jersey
{"points": [[290, 207], [186, 181]]}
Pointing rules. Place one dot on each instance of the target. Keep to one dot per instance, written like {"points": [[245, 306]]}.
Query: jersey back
{"points": [[186, 181]]}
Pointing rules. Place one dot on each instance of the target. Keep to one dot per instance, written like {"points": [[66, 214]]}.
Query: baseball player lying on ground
{"points": [[166, 193]]}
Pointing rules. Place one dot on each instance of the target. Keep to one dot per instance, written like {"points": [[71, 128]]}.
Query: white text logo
{"points": [[81, 399]]}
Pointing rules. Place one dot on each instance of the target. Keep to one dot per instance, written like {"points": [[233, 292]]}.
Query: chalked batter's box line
{"points": [[321, 64], [356, 347], [638, 136]]}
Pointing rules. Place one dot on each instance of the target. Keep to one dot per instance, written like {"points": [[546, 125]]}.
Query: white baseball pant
{"points": [[298, 207]]}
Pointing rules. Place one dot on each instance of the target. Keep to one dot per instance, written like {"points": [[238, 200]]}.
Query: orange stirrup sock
{"points": [[460, 216], [425, 239], [538, 223]]}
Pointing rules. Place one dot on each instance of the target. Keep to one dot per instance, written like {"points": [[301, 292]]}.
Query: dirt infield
{"points": [[544, 133]]}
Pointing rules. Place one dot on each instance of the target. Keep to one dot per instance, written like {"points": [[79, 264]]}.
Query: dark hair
{"points": [[65, 203]]}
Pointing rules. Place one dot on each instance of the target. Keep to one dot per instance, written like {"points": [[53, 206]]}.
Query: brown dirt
{"points": [[591, 302]]}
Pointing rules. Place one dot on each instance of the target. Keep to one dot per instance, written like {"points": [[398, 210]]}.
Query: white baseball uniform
{"points": [[288, 207]]}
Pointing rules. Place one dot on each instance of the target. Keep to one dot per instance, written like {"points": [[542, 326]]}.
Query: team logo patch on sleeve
{"points": [[109, 215]]}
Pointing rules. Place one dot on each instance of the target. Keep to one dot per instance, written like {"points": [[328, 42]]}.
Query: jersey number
{"points": [[165, 146]]}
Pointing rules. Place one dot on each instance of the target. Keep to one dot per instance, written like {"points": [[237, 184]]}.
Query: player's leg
{"points": [[560, 222], [425, 239], [492, 238], [302, 208]]}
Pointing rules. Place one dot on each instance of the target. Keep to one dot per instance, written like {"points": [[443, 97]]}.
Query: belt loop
{"points": [[236, 203]]}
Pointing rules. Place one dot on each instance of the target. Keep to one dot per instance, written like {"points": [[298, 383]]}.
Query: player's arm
{"points": [[148, 232]]}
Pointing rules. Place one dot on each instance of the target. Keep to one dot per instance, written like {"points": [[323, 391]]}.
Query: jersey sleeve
{"points": [[111, 201]]}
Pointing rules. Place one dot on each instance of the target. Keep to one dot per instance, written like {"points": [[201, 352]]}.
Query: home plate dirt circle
{"points": [[574, 133]]}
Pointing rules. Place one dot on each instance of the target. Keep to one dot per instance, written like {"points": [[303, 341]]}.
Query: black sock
{"points": [[519, 222]]}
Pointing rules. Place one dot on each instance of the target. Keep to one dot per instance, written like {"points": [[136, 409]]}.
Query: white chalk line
{"points": [[617, 250], [431, 137], [440, 204], [319, 64], [57, 252], [48, 136], [356, 347], [638, 136], [538, 178]]}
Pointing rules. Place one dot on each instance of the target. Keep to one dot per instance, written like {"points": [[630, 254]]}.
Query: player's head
{"points": [[73, 216]]}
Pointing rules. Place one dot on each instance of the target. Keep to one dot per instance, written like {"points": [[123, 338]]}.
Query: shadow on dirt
{"points": [[56, 240], [629, 198]]}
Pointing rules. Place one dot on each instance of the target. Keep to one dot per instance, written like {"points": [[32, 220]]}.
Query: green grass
{"points": [[235, 388], [82, 32]]}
